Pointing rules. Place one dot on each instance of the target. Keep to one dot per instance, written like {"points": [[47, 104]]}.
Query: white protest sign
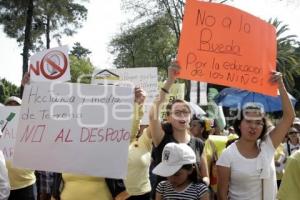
{"points": [[9, 118], [198, 94], [51, 64], [75, 128], [144, 77]]}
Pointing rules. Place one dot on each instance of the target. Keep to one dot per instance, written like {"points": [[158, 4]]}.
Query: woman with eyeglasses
{"points": [[293, 142], [176, 129], [246, 168]]}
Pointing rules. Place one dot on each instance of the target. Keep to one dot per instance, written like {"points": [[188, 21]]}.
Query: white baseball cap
{"points": [[174, 156], [13, 98], [296, 121]]}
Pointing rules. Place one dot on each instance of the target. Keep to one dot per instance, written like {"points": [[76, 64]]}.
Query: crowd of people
{"points": [[182, 157]]}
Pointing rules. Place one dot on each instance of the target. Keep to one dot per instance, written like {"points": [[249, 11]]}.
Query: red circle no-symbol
{"points": [[54, 64]]}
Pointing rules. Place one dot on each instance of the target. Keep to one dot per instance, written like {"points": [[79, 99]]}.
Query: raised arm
{"points": [[138, 111], [154, 123], [25, 80], [281, 129]]}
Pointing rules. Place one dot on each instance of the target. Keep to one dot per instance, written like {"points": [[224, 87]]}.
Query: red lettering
{"points": [[93, 130], [27, 133], [33, 134], [38, 133], [35, 69], [61, 136], [84, 131], [103, 135], [8, 152]]}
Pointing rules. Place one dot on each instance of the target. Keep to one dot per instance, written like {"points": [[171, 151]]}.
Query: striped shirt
{"points": [[192, 191]]}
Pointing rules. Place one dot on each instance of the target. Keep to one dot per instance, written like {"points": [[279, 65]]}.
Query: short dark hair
{"points": [[170, 105], [194, 176], [238, 121]]}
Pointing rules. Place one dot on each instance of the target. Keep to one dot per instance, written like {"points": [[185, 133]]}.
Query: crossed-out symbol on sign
{"points": [[54, 64]]}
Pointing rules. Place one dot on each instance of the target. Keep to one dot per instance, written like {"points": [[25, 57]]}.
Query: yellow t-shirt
{"points": [[139, 155], [19, 178], [278, 153], [79, 187], [290, 182], [215, 143]]}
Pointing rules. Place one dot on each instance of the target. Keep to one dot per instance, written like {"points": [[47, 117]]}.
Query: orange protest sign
{"points": [[224, 45]]}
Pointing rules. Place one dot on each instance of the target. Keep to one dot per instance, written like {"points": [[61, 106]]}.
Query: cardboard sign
{"points": [[9, 118], [144, 77], [223, 45], [75, 128], [176, 92], [198, 94], [52, 64]]}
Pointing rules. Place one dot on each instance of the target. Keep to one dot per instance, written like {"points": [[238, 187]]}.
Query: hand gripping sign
{"points": [[52, 64]]}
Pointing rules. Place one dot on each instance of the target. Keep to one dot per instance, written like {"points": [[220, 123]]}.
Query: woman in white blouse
{"points": [[246, 168]]}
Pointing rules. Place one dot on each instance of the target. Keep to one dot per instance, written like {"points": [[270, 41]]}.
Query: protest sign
{"points": [[144, 77], [9, 118], [223, 45], [198, 94], [75, 128], [175, 92], [51, 64]]}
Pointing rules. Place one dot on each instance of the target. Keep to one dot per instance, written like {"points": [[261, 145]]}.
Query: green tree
{"points": [[17, 26], [143, 10], [81, 66], [40, 19], [58, 18], [7, 89], [172, 10], [79, 51], [152, 43], [288, 55]]}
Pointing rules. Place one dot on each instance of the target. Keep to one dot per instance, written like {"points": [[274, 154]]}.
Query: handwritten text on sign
{"points": [[9, 117], [143, 77], [223, 45], [175, 92], [84, 128]]}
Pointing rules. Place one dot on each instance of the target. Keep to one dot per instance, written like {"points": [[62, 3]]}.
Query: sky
{"points": [[104, 21]]}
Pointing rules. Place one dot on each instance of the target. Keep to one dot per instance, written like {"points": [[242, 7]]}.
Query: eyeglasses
{"points": [[256, 123], [293, 132], [179, 113]]}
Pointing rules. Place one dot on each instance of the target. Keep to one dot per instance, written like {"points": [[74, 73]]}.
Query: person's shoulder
{"points": [[200, 188], [296, 156], [231, 147], [229, 151], [163, 183], [197, 140], [200, 185]]}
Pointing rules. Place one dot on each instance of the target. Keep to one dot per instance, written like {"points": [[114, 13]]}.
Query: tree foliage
{"points": [[150, 44], [288, 56], [81, 66], [7, 89], [144, 10], [62, 17], [29, 20], [79, 51]]}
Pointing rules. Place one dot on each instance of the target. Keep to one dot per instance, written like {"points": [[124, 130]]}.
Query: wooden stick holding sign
{"points": [[223, 45]]}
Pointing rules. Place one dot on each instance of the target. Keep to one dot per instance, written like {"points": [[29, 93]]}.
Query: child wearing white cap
{"points": [[178, 165]]}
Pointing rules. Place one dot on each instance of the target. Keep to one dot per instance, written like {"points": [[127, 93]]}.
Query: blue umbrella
{"points": [[237, 98]]}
